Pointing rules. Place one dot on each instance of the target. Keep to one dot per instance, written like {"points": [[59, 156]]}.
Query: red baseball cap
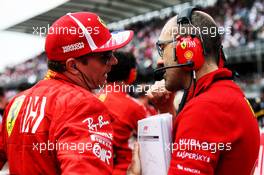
{"points": [[81, 33]]}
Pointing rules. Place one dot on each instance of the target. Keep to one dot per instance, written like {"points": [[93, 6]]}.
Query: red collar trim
{"points": [[207, 80]]}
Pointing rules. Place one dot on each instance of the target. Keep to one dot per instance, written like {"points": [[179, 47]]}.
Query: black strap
{"points": [[183, 100], [185, 16], [186, 92]]}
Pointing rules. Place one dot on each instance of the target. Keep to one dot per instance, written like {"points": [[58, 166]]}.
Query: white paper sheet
{"points": [[155, 137]]}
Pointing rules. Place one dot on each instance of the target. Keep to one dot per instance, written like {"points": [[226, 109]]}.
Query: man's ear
{"points": [[71, 66]]}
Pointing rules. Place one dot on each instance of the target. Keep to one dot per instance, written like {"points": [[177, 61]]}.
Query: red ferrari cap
{"points": [[81, 33]]}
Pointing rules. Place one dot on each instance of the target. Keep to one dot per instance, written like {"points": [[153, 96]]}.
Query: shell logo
{"points": [[188, 54]]}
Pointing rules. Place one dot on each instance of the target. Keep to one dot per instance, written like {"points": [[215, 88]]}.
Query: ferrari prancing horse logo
{"points": [[183, 45]]}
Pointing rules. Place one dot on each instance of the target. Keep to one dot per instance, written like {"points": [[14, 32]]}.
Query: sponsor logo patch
{"points": [[183, 45], [13, 113], [188, 54], [104, 134], [94, 126], [187, 169], [102, 140], [193, 156], [103, 154], [102, 97], [73, 47], [34, 114]]}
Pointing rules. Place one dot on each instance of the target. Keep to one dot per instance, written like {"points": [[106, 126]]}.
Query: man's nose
{"points": [[160, 63]]}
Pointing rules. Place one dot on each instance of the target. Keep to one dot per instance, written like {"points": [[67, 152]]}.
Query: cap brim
{"points": [[118, 40]]}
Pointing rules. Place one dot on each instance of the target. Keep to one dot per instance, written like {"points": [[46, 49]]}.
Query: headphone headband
{"points": [[185, 16]]}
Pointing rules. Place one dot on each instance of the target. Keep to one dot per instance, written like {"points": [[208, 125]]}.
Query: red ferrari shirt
{"points": [[57, 127], [126, 112], [216, 132]]}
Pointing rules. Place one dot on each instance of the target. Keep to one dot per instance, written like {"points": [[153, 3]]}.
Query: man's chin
{"points": [[171, 87]]}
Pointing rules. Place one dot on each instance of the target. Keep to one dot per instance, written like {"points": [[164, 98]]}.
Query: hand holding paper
{"points": [[135, 167]]}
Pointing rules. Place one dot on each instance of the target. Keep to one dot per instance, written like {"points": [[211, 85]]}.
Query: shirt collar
{"points": [[207, 80], [54, 75]]}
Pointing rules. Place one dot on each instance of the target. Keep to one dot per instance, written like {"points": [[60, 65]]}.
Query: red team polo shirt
{"points": [[126, 111], [216, 132], [57, 127]]}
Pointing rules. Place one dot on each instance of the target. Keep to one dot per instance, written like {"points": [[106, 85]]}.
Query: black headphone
{"points": [[184, 17], [187, 56]]}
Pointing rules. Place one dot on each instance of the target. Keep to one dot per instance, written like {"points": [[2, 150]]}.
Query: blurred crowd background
{"points": [[243, 48]]}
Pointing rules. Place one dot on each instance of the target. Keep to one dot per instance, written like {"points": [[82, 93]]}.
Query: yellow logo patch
{"points": [[188, 54], [13, 113], [183, 45], [102, 97]]}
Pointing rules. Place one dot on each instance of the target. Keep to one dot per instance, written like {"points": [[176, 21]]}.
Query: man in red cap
{"points": [[58, 126], [216, 132]]}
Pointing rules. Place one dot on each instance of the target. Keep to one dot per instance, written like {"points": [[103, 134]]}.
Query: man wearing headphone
{"points": [[215, 128], [58, 126]]}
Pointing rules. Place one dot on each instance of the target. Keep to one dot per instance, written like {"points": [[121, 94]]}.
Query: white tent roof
{"points": [[17, 47]]}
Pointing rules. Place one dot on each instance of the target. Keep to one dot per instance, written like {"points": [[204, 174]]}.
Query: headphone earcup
{"points": [[190, 49]]}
